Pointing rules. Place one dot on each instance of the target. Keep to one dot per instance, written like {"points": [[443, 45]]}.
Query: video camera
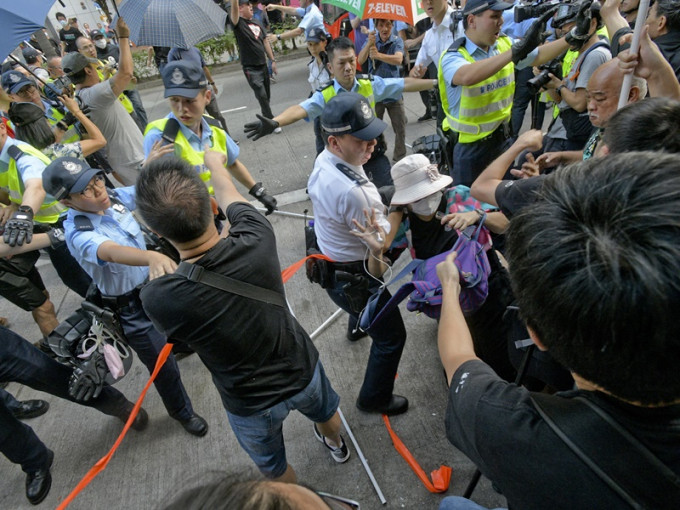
{"points": [[535, 9], [536, 83]]}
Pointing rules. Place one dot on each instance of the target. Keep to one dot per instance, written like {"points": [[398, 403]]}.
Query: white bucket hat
{"points": [[416, 178]]}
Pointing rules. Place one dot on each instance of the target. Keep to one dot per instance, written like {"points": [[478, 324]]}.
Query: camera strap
{"points": [[199, 274], [619, 459]]}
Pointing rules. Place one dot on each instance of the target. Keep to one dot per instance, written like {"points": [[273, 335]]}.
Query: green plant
{"points": [[213, 49], [143, 69]]}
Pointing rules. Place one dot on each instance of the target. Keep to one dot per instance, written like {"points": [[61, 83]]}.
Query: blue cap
{"points": [[479, 6], [183, 78], [316, 35], [349, 113], [67, 175], [14, 81]]}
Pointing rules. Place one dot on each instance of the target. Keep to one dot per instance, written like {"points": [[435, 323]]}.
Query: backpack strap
{"points": [[609, 451], [197, 273], [170, 130], [15, 152]]}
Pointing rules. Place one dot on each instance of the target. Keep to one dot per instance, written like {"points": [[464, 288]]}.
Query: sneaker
{"points": [[340, 454], [277, 130]]}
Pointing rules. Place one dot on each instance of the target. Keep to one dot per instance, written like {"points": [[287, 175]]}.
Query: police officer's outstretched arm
{"points": [[225, 191]]}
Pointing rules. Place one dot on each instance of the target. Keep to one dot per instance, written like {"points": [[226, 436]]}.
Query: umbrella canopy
{"points": [[409, 11], [172, 23], [18, 20]]}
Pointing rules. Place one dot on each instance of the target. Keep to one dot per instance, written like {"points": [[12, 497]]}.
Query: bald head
{"points": [[604, 88], [86, 47], [54, 67]]}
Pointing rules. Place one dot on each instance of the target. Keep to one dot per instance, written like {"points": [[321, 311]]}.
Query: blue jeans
{"points": [[23, 363], [147, 342], [459, 503], [261, 434], [389, 337]]}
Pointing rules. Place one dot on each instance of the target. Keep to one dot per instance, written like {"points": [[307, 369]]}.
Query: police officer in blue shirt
{"points": [[308, 11], [108, 243]]}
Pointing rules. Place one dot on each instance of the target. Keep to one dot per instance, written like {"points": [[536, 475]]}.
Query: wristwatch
{"points": [[559, 89], [278, 36]]}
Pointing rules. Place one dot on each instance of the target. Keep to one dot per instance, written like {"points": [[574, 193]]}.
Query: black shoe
{"points": [[196, 426], [427, 116], [141, 420], [353, 331], [38, 482], [30, 409], [396, 405]]}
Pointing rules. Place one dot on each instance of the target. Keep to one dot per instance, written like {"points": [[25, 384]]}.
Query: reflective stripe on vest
{"points": [[49, 212], [484, 106], [191, 155], [365, 89]]}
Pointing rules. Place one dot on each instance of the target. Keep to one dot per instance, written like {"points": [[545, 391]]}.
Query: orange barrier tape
{"points": [[440, 477], [292, 269], [100, 465]]}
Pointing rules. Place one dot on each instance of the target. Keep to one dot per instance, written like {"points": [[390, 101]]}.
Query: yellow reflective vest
{"points": [[365, 89], [184, 150], [49, 212], [484, 106]]}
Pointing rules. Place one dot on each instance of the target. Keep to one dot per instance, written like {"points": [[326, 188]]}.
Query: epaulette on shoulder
{"points": [[455, 46], [351, 174], [365, 77], [325, 85], [212, 121], [83, 223]]}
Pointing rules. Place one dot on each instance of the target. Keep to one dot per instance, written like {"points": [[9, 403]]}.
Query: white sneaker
{"points": [[340, 453], [277, 130]]}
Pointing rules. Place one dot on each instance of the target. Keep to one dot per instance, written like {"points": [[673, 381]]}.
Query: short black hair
{"points": [[339, 43], [594, 265], [173, 200], [647, 125], [671, 10], [37, 133], [60, 15]]}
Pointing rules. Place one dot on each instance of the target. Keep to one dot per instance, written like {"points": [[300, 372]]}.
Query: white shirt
{"points": [[318, 75], [437, 40], [336, 200]]}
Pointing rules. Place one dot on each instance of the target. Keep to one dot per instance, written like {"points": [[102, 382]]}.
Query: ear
{"points": [[536, 340], [634, 95], [208, 95], [471, 20], [662, 23], [213, 205], [66, 202]]}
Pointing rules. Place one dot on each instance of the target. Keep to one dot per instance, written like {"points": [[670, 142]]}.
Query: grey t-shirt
{"points": [[125, 141]]}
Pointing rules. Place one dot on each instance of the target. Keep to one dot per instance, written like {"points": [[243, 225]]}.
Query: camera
{"points": [[536, 83], [535, 9]]}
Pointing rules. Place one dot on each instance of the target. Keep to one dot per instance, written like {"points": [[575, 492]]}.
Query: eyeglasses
{"points": [[338, 502], [26, 92], [98, 183]]}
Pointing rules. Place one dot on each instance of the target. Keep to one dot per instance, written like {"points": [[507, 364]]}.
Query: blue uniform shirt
{"points": [[453, 61], [118, 225], [311, 17], [383, 88], [196, 143]]}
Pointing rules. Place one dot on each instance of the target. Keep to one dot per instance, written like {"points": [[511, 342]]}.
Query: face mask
{"points": [[62, 22], [428, 205], [100, 43]]}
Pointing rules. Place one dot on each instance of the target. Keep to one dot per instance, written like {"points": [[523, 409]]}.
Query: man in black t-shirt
{"points": [[262, 361], [68, 36], [254, 48]]}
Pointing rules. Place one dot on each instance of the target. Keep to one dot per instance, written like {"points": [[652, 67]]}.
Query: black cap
{"points": [[243, 2], [479, 6], [96, 33], [316, 35], [67, 175], [183, 78], [14, 81], [30, 54], [74, 62], [24, 113], [349, 113]]}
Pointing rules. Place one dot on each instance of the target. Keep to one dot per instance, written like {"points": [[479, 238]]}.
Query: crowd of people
{"points": [[563, 381]]}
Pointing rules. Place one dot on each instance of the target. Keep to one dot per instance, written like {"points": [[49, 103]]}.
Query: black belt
{"points": [[503, 129], [117, 302], [349, 267]]}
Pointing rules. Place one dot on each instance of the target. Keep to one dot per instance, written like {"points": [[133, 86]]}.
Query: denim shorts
{"points": [[261, 434]]}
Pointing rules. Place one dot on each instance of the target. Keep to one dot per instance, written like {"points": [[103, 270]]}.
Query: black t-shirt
{"points": [[430, 238], [495, 424], [258, 354], [250, 36], [511, 196], [69, 38]]}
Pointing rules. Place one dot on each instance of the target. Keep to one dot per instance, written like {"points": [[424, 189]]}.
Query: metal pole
{"points": [[634, 48], [286, 213], [326, 323], [362, 458]]}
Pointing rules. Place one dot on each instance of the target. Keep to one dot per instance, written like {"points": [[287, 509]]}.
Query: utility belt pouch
{"points": [[317, 270], [356, 290]]}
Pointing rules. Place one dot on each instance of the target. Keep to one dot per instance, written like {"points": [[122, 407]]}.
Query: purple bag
{"points": [[425, 288]]}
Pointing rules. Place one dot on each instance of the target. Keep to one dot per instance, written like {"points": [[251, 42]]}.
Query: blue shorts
{"points": [[261, 434]]}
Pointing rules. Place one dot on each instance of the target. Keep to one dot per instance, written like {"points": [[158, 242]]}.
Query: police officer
{"points": [[343, 63], [354, 238], [190, 130], [477, 83]]}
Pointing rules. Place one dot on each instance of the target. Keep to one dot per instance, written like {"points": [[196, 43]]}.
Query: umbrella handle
{"points": [[115, 7]]}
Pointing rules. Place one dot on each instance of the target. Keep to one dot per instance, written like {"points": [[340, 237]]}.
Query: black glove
{"points": [[87, 380], [578, 35], [260, 193], [56, 236], [532, 38], [19, 227], [262, 127]]}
